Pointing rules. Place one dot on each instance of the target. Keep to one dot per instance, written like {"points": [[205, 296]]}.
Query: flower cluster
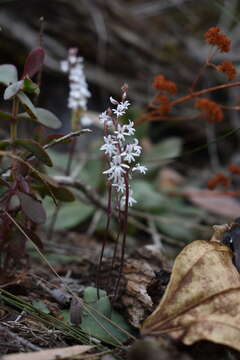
{"points": [[211, 110], [165, 104], [219, 178], [235, 169], [215, 38], [79, 92], [121, 150], [160, 83], [228, 68]]}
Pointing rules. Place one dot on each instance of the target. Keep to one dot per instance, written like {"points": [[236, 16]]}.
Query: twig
{"points": [[19, 340]]}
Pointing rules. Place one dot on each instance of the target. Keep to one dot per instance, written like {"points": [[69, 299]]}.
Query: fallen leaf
{"points": [[201, 301], [214, 202], [138, 273], [53, 354]]}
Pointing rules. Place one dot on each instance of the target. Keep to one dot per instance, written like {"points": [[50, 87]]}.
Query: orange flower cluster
{"points": [[164, 85], [228, 68], [211, 111], [165, 104], [235, 169], [219, 178], [214, 37]]}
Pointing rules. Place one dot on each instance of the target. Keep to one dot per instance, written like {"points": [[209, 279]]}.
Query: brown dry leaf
{"points": [[138, 273], [218, 204], [201, 301], [51, 354]]}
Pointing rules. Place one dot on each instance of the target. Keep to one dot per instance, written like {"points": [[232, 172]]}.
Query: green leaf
{"points": [[4, 144], [12, 90], [43, 117], [175, 227], [8, 74], [97, 326], [32, 208], [34, 148], [41, 306], [163, 151], [70, 214], [147, 198], [63, 194], [27, 104]]}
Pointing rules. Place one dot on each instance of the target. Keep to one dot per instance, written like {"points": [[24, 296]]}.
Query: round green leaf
{"points": [[43, 117], [8, 74], [27, 104], [12, 90]]}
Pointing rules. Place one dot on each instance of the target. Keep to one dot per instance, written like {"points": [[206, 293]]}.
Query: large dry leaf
{"points": [[52, 354], [202, 300]]}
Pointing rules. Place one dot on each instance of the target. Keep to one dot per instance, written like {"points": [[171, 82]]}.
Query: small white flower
{"points": [[85, 120], [64, 66], [109, 146], [119, 111], [120, 185], [131, 200], [124, 104], [113, 101], [130, 128], [104, 118], [141, 168], [116, 171], [121, 132]]}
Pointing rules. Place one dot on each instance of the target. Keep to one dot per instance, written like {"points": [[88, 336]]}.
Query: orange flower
{"points": [[211, 111], [219, 178], [235, 169], [165, 106], [213, 37], [228, 68], [164, 85]]}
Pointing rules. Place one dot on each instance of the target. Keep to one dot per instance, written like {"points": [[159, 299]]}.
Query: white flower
{"points": [[120, 185], [79, 92], [119, 111], [104, 118], [131, 151], [85, 120], [131, 200], [141, 168], [64, 66], [121, 132], [109, 146], [116, 171], [130, 128], [113, 101]]}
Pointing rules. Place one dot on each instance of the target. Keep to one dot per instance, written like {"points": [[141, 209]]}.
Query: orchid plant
{"points": [[121, 150]]}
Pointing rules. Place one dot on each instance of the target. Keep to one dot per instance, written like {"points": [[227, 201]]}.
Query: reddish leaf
{"points": [[34, 237], [32, 208], [35, 149], [33, 62]]}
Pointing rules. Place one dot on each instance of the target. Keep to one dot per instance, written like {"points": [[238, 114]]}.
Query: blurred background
{"points": [[132, 41]]}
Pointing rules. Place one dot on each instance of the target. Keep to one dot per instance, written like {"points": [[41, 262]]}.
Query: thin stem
{"points": [[13, 134], [109, 213], [125, 224]]}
